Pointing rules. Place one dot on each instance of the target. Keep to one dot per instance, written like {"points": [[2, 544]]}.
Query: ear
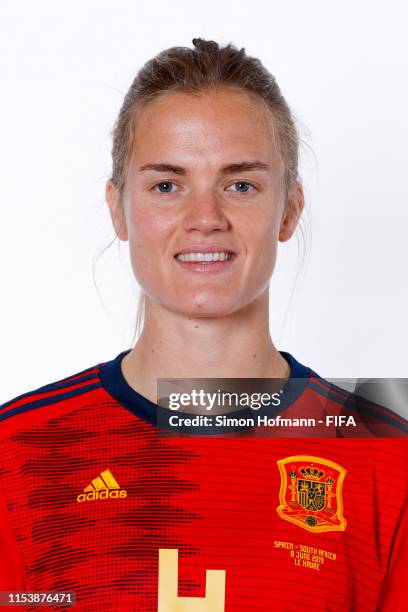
{"points": [[117, 213], [291, 214]]}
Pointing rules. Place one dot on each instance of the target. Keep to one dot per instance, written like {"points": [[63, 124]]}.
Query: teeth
{"points": [[219, 256]]}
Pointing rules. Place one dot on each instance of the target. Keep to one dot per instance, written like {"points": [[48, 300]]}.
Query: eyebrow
{"points": [[228, 169]]}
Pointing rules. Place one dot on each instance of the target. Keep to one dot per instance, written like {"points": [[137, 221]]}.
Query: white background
{"points": [[65, 67]]}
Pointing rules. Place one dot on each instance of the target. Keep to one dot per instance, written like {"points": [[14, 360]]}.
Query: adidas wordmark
{"points": [[104, 486]]}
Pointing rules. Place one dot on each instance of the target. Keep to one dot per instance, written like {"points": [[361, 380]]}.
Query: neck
{"points": [[172, 345]]}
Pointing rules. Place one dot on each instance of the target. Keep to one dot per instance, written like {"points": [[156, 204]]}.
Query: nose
{"points": [[204, 213]]}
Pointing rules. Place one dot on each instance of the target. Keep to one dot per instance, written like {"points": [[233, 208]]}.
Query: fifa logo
{"points": [[214, 600]]}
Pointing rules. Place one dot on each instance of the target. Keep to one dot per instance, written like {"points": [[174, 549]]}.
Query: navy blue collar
{"points": [[113, 381]]}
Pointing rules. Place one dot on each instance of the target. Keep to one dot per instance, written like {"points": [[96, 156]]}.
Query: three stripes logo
{"points": [[104, 486]]}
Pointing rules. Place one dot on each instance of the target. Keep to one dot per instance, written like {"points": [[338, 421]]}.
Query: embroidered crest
{"points": [[311, 493]]}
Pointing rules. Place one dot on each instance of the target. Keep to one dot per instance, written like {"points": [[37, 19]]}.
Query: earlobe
{"points": [[114, 201], [291, 215]]}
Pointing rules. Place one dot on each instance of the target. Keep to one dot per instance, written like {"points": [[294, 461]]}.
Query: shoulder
{"points": [[371, 402], [63, 393]]}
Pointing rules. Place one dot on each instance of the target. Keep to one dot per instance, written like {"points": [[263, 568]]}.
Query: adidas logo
{"points": [[103, 486]]}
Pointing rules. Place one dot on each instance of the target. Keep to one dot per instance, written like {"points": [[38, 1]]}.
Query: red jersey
{"points": [[93, 500]]}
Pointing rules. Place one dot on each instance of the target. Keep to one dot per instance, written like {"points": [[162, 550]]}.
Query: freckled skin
{"points": [[202, 134]]}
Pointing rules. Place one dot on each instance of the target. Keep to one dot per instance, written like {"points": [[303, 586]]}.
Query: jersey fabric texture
{"points": [[94, 500]]}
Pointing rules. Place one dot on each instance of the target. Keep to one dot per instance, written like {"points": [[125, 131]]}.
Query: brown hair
{"points": [[206, 66]]}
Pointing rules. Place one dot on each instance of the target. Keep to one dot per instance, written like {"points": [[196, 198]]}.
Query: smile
{"points": [[204, 257]]}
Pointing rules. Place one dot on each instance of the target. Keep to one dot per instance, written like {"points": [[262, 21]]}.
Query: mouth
{"points": [[205, 259]]}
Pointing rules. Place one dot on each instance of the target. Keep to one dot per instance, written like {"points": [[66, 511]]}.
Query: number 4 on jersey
{"points": [[214, 600]]}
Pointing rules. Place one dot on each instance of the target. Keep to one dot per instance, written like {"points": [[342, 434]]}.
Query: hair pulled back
{"points": [[205, 67]]}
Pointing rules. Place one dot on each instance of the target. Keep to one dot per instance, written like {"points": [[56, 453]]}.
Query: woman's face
{"points": [[204, 202]]}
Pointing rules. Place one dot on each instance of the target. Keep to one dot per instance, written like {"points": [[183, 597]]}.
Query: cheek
{"points": [[263, 233], [149, 233], [148, 228]]}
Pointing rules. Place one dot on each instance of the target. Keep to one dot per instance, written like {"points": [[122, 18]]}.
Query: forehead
{"points": [[220, 124]]}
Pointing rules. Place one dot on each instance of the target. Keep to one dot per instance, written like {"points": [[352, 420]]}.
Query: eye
{"points": [[164, 187], [242, 186]]}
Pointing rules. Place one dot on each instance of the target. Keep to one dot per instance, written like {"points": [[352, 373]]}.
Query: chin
{"points": [[207, 305]]}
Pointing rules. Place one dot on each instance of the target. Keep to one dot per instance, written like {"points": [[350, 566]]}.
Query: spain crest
{"points": [[311, 493]]}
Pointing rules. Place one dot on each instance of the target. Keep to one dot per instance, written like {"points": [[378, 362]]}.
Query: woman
{"points": [[94, 500]]}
